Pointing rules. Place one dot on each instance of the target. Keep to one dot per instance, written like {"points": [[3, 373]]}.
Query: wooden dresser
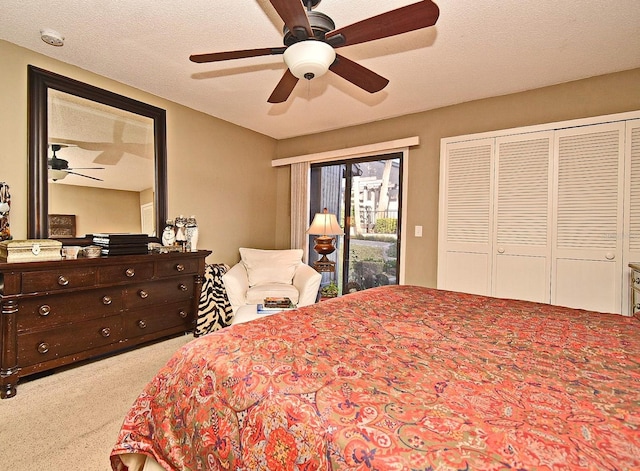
{"points": [[62, 312]]}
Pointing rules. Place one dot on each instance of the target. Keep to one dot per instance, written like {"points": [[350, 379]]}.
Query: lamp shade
{"points": [[309, 59], [325, 224]]}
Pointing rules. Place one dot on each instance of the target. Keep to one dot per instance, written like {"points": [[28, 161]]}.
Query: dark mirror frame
{"points": [[39, 83]]}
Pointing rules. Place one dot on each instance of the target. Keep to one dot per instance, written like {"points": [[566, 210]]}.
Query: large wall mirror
{"points": [[97, 161]]}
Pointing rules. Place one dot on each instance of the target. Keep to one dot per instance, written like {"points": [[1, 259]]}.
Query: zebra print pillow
{"points": [[214, 311]]}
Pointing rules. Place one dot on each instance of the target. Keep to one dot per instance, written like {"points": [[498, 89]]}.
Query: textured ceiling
{"points": [[477, 49]]}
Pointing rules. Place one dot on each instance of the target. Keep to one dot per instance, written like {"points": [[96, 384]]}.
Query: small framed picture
{"points": [[62, 225]]}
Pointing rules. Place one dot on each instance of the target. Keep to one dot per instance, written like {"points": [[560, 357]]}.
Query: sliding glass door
{"points": [[365, 195]]}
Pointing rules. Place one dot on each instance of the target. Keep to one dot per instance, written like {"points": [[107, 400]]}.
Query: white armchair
{"points": [[264, 273]]}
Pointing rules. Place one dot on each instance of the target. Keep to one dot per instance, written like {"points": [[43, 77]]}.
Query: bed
{"points": [[398, 378]]}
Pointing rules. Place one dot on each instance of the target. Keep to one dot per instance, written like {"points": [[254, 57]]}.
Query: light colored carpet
{"points": [[70, 420]]}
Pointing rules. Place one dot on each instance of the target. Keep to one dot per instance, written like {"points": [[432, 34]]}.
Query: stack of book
{"points": [[122, 244], [272, 304]]}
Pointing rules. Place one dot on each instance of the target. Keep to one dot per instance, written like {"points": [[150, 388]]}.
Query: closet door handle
{"points": [[610, 256]]}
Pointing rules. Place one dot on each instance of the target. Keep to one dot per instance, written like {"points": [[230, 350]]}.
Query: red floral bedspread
{"points": [[399, 378]]}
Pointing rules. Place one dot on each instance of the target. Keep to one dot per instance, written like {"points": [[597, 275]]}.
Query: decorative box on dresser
{"points": [[61, 312]]}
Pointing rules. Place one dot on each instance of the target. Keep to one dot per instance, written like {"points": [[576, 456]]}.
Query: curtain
{"points": [[300, 206]]}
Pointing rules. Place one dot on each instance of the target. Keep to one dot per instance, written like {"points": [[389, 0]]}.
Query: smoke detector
{"points": [[52, 37]]}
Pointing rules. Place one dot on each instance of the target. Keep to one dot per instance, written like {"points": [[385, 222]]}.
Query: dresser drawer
{"points": [[38, 347], [48, 311], [158, 292], [128, 272], [155, 319], [172, 267], [52, 280]]}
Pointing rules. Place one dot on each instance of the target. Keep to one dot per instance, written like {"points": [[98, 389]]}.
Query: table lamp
{"points": [[324, 226]]}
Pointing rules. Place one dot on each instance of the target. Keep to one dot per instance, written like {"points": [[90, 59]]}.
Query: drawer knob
{"points": [[105, 332], [106, 300], [43, 348], [44, 310], [182, 287], [183, 314], [143, 294], [63, 280], [130, 272], [142, 324], [636, 280], [180, 267]]}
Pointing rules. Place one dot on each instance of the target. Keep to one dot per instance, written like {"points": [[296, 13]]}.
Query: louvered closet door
{"points": [[522, 248], [631, 239], [465, 217], [588, 216]]}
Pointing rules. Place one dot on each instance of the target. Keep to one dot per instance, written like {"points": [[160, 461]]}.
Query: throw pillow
{"points": [[270, 266]]}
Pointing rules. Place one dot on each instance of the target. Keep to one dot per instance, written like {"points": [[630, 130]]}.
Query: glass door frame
{"points": [[343, 247]]}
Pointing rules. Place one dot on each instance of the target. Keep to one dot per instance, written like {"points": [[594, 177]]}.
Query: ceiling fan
{"points": [[310, 38], [59, 168]]}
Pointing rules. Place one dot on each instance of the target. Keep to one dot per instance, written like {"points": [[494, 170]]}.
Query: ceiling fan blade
{"points": [[294, 16], [358, 75], [409, 18], [225, 56], [86, 176], [284, 88]]}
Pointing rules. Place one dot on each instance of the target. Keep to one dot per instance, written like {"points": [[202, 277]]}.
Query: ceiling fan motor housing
{"points": [[320, 23]]}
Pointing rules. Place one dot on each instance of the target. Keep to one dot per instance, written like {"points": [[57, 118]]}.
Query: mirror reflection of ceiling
{"points": [[102, 142]]}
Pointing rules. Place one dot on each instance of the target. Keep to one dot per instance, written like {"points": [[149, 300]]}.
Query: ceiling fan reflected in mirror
{"points": [[310, 40], [59, 168], [110, 153]]}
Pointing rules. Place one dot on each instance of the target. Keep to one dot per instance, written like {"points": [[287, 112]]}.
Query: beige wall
{"points": [[219, 172], [96, 209], [601, 95]]}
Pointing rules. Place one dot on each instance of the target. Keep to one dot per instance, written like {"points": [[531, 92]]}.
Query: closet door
{"points": [[522, 247], [465, 217], [588, 217], [631, 239]]}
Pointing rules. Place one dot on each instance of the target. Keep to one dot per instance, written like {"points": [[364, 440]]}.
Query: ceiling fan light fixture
{"points": [[56, 175], [309, 59]]}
